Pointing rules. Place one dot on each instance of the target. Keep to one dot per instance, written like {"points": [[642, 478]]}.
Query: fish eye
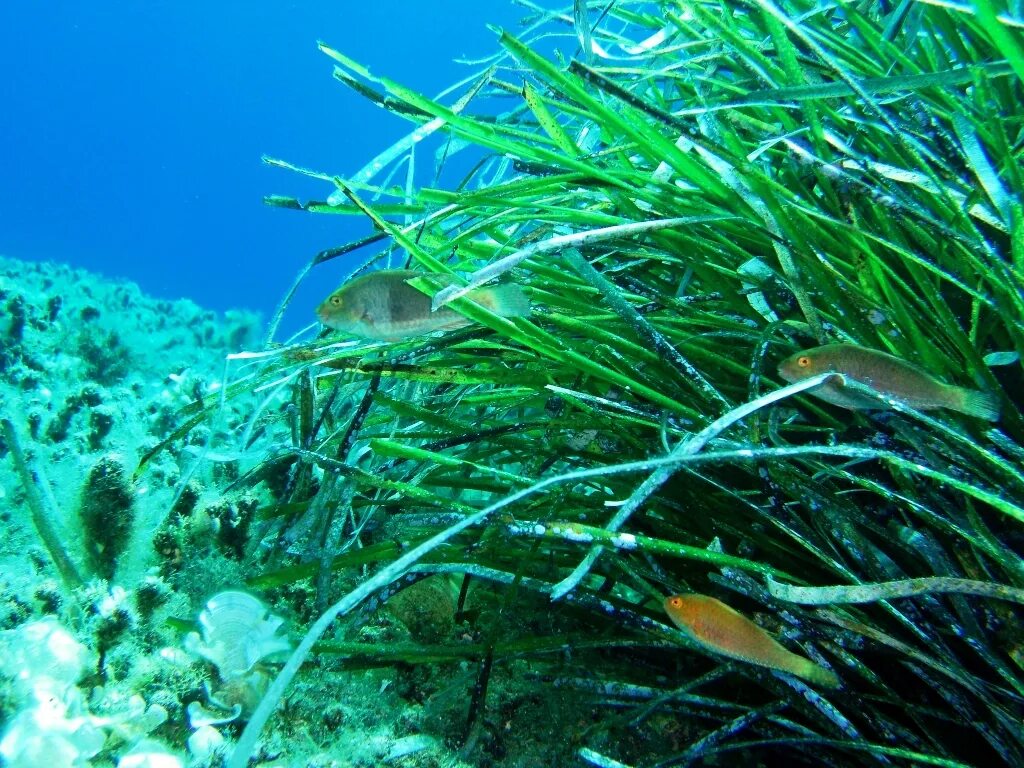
{"points": [[803, 361], [675, 602], [335, 301]]}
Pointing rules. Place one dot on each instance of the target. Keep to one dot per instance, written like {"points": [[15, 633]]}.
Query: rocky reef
{"points": [[128, 662], [93, 373]]}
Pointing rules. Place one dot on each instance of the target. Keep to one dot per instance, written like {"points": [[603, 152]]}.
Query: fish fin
{"points": [[507, 300], [973, 402]]}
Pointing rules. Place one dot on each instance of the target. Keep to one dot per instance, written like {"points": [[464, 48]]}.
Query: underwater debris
{"points": [[888, 375], [383, 306], [724, 630]]}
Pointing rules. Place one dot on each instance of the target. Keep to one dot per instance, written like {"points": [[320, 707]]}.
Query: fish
{"points": [[383, 306], [724, 630], [886, 374]]}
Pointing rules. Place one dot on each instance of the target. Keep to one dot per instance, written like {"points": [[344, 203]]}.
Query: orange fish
{"points": [[885, 374], [719, 628], [384, 307]]}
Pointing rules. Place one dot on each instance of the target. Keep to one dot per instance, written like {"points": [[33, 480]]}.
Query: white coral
{"points": [[43, 653], [51, 732], [238, 633], [54, 728], [45, 661], [150, 754]]}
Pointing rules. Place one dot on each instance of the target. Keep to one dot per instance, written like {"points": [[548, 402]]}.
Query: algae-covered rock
{"points": [[107, 514], [426, 609], [231, 517]]}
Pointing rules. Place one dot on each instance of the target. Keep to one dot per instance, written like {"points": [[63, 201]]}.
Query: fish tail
{"points": [[973, 402], [506, 299], [816, 674]]}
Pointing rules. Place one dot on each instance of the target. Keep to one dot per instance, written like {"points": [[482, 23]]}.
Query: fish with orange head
{"points": [[721, 629], [886, 374]]}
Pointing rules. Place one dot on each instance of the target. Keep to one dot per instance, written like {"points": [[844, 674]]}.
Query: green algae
{"points": [[631, 439]]}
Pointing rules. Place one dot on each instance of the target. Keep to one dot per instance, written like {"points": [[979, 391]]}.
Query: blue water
{"points": [[131, 133]]}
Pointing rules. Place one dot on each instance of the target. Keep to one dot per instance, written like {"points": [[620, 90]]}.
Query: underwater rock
{"points": [[113, 615], [107, 359], [150, 594], [15, 609], [410, 745], [83, 398], [53, 307], [105, 509], [89, 396], [101, 421], [231, 518], [217, 528], [17, 315], [167, 545], [50, 596], [426, 609], [187, 500], [205, 742]]}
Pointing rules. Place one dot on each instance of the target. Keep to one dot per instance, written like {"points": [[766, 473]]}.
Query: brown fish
{"points": [[719, 628], [384, 307], [887, 375]]}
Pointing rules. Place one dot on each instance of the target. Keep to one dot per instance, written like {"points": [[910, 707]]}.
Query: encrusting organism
{"points": [[238, 635], [106, 511]]}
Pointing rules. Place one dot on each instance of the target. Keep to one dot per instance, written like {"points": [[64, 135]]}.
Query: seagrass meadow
{"points": [[688, 193]]}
